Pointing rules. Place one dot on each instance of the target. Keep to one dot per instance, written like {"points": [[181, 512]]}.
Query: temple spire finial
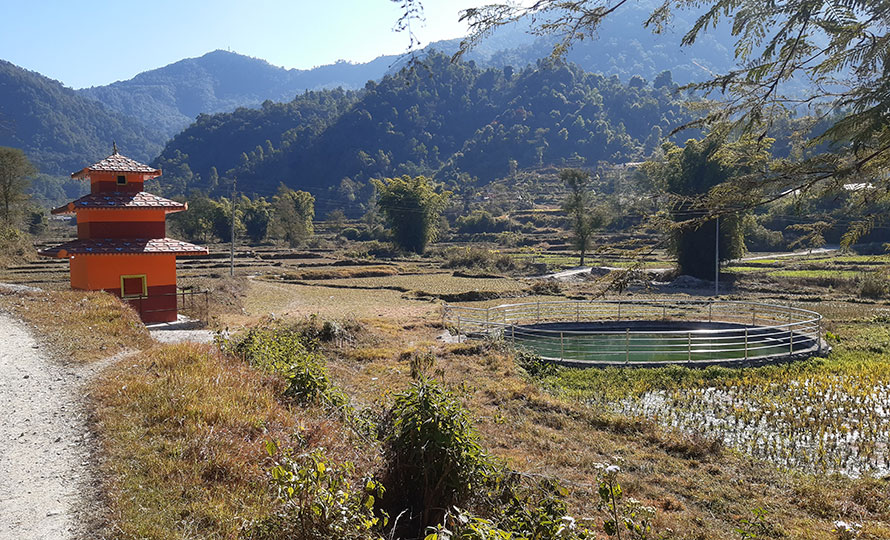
{"points": [[113, 147]]}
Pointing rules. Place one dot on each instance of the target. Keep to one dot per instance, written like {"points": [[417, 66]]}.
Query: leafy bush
{"points": [[286, 351], [292, 352], [478, 259], [320, 501], [534, 365], [636, 517], [350, 233], [481, 221], [873, 285], [433, 456], [14, 245], [759, 238], [374, 249]]}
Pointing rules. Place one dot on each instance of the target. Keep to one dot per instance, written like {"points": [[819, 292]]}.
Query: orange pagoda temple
{"points": [[122, 245]]}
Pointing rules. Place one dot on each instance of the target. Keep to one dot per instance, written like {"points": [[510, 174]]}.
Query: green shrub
{"points": [[14, 245], [478, 259], [433, 458], [759, 238], [285, 351], [481, 221], [534, 365], [319, 501], [522, 511], [292, 351], [350, 233], [873, 285]]}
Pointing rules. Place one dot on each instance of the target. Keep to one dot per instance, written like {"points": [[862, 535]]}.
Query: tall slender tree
{"points": [[579, 205]]}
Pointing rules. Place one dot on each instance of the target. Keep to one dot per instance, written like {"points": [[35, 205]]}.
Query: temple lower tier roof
{"points": [[119, 199], [123, 246]]}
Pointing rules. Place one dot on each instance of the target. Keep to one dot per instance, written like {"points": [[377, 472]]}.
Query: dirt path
{"points": [[43, 440]]}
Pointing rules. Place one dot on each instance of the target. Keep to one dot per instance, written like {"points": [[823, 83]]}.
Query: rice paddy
{"points": [[822, 416]]}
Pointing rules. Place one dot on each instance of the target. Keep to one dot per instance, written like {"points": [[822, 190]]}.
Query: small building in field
{"points": [[122, 245]]}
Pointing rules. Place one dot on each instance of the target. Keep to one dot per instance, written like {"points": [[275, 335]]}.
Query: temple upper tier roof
{"points": [[117, 199], [116, 163], [123, 246]]}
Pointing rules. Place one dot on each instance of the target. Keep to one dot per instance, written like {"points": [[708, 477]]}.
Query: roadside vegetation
{"points": [[79, 326]]}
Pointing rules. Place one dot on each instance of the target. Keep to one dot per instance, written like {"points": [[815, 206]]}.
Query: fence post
{"points": [[562, 347], [753, 315], [539, 312], [458, 328], [710, 308], [664, 312], [513, 334], [819, 336], [689, 346], [577, 311], [746, 343], [790, 342], [626, 345]]}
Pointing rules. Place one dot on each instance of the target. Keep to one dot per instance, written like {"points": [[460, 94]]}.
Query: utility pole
{"points": [[232, 250], [716, 259]]}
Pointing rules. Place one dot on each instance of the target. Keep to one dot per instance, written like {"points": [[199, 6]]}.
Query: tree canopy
{"points": [[699, 169], [412, 207], [14, 172], [840, 47]]}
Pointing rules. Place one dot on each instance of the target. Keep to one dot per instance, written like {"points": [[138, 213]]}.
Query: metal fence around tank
{"points": [[753, 330]]}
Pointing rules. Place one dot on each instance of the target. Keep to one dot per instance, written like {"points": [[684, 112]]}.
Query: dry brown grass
{"points": [[183, 433], [303, 300], [78, 325]]}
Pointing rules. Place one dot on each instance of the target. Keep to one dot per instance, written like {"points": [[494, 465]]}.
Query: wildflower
{"points": [[846, 531]]}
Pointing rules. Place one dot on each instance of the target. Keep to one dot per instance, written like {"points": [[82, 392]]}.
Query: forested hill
{"points": [[61, 131], [452, 120], [169, 98], [172, 96]]}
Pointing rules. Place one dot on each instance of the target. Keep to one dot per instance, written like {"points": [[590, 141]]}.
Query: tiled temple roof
{"points": [[123, 246], [116, 163], [117, 199]]}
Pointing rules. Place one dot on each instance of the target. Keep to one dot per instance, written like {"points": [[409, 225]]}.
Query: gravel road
{"points": [[44, 456]]}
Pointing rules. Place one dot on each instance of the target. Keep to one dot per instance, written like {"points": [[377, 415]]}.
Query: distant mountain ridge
{"points": [[62, 131], [171, 97]]}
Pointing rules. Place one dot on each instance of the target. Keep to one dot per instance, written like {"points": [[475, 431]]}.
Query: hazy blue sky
{"points": [[91, 42]]}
